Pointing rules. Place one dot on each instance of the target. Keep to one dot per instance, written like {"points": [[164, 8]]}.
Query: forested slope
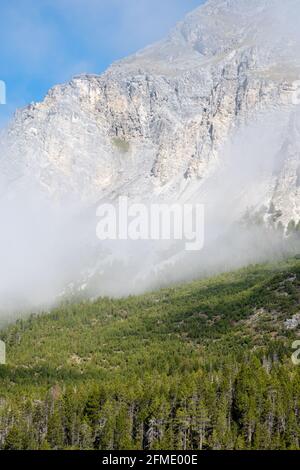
{"points": [[205, 365]]}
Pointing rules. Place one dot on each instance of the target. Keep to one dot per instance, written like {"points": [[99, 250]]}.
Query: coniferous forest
{"points": [[207, 365]]}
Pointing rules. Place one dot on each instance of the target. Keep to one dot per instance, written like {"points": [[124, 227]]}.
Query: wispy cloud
{"points": [[136, 23], [46, 42]]}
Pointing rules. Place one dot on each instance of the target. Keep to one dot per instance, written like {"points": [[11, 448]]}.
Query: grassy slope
{"points": [[134, 335], [167, 337]]}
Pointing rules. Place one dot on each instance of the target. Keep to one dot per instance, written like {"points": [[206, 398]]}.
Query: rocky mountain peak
{"points": [[208, 114], [157, 121]]}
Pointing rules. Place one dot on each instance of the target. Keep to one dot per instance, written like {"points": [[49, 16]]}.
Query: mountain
{"points": [[209, 114], [158, 120], [206, 365]]}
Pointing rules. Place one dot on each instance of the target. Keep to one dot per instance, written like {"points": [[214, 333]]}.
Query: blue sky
{"points": [[45, 42]]}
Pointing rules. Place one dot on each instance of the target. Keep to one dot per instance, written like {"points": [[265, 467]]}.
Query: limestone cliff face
{"points": [[157, 122]]}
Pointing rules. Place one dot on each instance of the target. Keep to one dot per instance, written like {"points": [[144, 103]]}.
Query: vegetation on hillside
{"points": [[205, 365]]}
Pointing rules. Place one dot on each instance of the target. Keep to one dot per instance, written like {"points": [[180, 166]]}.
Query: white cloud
{"points": [[47, 42], [138, 22]]}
